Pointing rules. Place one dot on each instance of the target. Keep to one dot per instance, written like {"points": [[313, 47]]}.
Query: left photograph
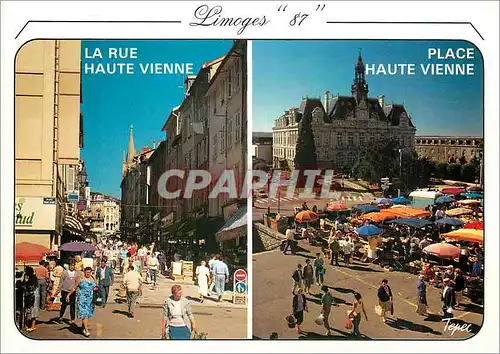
{"points": [[130, 204]]}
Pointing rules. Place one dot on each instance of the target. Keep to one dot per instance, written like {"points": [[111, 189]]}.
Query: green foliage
{"points": [[468, 172], [453, 171], [440, 170], [378, 159], [305, 156]]}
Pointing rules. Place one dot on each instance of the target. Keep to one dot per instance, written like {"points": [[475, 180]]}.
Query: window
{"points": [[229, 132], [229, 83], [222, 142], [350, 139], [339, 139], [215, 145], [361, 139], [238, 127], [222, 93], [237, 72]]}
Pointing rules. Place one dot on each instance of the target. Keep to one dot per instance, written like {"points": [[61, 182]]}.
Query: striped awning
{"points": [[73, 225], [235, 226]]}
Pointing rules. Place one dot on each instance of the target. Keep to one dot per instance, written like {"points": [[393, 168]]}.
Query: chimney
{"points": [[381, 100], [326, 100]]}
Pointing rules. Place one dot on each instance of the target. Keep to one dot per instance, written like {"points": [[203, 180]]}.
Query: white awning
{"points": [[235, 226]]}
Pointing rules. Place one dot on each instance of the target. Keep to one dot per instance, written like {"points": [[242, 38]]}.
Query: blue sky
{"points": [[286, 71], [111, 103]]}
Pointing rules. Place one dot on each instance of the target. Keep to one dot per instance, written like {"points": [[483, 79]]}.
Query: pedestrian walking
{"points": [[211, 284], [105, 279], [384, 295], [31, 297], [289, 241], [327, 300], [422, 295], [347, 250], [319, 269], [203, 275], [123, 256], [220, 272], [42, 275], [85, 286], [152, 268], [178, 319], [132, 282], [355, 314], [308, 274], [459, 286], [448, 298], [335, 249], [298, 278], [68, 280], [299, 305]]}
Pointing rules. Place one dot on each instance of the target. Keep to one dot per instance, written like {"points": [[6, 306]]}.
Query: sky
{"points": [[286, 71], [112, 103]]}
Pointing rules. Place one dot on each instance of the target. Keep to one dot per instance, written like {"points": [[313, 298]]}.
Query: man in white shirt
{"points": [[132, 282], [347, 249], [153, 268], [439, 214], [289, 241], [212, 279]]}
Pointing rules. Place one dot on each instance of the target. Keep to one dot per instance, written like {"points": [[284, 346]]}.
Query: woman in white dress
{"points": [[202, 274]]}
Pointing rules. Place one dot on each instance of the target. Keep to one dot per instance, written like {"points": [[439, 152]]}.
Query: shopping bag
{"points": [[378, 310], [290, 320], [348, 323], [320, 320]]}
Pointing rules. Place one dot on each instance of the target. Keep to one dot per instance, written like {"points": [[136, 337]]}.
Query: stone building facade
{"points": [[342, 125], [449, 148]]}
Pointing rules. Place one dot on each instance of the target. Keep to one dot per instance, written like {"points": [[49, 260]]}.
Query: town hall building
{"points": [[342, 126]]}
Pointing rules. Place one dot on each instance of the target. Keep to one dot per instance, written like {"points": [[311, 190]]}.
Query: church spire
{"points": [[359, 88], [131, 149]]}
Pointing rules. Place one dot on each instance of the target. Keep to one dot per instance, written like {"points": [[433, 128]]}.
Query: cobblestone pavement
{"points": [[112, 322], [272, 302]]}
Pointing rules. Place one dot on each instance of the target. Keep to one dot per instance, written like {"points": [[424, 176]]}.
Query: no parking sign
{"points": [[240, 287]]}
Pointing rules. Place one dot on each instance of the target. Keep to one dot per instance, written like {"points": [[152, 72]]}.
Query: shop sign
{"points": [[35, 213]]}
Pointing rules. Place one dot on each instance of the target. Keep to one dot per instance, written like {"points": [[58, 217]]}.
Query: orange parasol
{"points": [[407, 212], [306, 216], [470, 235], [458, 211], [380, 215]]}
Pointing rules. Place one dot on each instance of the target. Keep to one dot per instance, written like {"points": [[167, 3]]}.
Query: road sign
{"points": [[241, 288], [240, 275]]}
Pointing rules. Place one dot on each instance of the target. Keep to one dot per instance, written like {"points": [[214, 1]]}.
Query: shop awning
{"points": [[73, 225], [234, 227]]}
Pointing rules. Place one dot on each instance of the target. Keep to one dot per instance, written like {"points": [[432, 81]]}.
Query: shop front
{"points": [[36, 221], [232, 237]]}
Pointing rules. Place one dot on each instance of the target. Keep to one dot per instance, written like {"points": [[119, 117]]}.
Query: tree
{"points": [[453, 171], [441, 169], [468, 172], [305, 156], [378, 159]]}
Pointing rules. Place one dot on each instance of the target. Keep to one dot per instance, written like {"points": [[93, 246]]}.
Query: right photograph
{"points": [[367, 202]]}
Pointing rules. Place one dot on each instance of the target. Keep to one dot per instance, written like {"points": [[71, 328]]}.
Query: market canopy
{"points": [[458, 211], [366, 208], [408, 212], [469, 202], [27, 251], [444, 199], [400, 200], [234, 227], [337, 206], [472, 195], [383, 201], [443, 250], [412, 222], [470, 235], [452, 190], [475, 189], [369, 230], [379, 216], [449, 221], [478, 225]]}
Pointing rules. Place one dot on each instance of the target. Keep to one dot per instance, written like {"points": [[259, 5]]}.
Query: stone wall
{"points": [[264, 238]]}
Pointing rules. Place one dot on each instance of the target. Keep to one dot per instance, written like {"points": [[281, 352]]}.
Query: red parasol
{"points": [[306, 216], [452, 190], [337, 207], [27, 251], [478, 225], [443, 250]]}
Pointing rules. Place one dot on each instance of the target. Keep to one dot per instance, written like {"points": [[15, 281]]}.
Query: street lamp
{"points": [[400, 171]]}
